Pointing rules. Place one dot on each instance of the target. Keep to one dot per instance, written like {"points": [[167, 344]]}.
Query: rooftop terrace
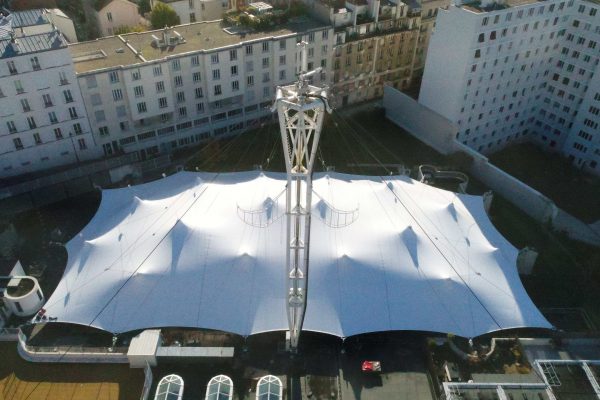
{"points": [[114, 51]]}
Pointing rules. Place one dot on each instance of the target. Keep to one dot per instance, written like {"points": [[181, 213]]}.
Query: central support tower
{"points": [[301, 108]]}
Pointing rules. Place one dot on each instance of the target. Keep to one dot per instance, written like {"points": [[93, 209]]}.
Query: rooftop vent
{"points": [[120, 50], [167, 38]]}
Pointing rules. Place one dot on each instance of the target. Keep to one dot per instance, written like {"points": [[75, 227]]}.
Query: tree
{"points": [[163, 15], [144, 6]]}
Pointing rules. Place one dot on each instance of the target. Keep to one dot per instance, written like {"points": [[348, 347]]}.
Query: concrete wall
{"points": [[438, 132]]}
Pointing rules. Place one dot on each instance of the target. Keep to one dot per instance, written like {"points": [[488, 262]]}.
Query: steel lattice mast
{"points": [[301, 108]]}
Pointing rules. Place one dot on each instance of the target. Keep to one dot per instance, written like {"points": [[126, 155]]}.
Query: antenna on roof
{"points": [[301, 108]]}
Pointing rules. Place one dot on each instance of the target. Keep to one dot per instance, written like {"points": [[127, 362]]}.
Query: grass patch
{"points": [[553, 175]]}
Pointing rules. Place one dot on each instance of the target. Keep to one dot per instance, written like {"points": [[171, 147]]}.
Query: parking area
{"points": [[403, 373]]}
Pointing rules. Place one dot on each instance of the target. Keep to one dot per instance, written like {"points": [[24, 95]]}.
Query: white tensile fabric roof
{"points": [[207, 250]]}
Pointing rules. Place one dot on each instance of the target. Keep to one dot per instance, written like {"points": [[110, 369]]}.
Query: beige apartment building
{"points": [[376, 44]]}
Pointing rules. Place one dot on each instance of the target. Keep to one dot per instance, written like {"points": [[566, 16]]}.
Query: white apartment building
{"points": [[190, 11], [518, 70], [41, 20], [43, 121], [156, 91]]}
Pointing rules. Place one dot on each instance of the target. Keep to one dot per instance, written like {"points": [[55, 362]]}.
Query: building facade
{"points": [[506, 72], [44, 121], [190, 11], [376, 43], [118, 14], [153, 92], [428, 10]]}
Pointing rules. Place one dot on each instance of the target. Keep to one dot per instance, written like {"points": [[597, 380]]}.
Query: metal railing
{"points": [[73, 349]]}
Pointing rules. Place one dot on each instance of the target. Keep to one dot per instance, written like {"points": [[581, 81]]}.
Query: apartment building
{"points": [[364, 62], [518, 70], [153, 92], [114, 14], [428, 10], [41, 20], [376, 43], [190, 11], [44, 123]]}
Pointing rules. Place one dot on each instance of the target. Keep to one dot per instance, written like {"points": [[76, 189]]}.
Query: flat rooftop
{"points": [[113, 51], [476, 6], [101, 53]]}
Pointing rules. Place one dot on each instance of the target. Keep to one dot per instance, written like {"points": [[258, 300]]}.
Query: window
{"points": [[157, 70], [162, 102], [195, 61], [282, 44], [182, 111], [11, 126], [180, 97], [117, 94], [58, 133], [141, 107], [198, 92], [37, 139], [235, 86], [19, 87], [138, 91], [250, 80], [176, 65], [311, 52], [25, 105], [216, 74], [31, 122], [217, 90], [68, 96], [11, 67], [233, 55], [35, 64], [214, 58], [82, 145], [100, 116], [249, 66], [265, 47], [62, 76], [19, 146], [160, 87], [265, 62], [267, 92], [282, 60], [266, 77], [248, 49], [282, 75], [200, 108], [109, 17], [113, 76], [47, 100], [91, 81], [311, 37], [178, 81], [196, 76], [135, 75], [52, 117], [103, 130]]}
